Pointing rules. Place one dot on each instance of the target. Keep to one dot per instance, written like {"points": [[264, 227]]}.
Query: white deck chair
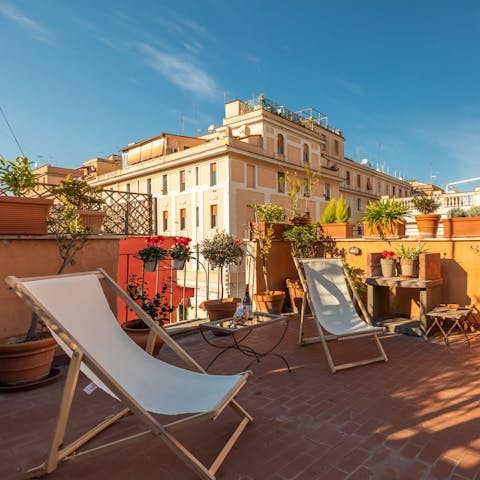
{"points": [[324, 283], [76, 311]]}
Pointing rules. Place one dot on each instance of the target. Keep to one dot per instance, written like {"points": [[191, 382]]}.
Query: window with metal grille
{"points": [[280, 144], [213, 174], [306, 153]]}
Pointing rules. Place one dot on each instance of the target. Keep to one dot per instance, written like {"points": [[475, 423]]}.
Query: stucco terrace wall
{"points": [[31, 256], [460, 268]]}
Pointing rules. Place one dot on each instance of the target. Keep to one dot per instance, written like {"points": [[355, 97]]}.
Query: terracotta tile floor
{"points": [[415, 417]]}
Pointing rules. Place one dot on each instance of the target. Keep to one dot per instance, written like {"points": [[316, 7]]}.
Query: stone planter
{"points": [[336, 230], [24, 215], [389, 267], [269, 302], [26, 362], [461, 227], [140, 336], [427, 225]]}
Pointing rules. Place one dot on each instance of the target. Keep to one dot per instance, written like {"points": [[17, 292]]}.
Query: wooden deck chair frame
{"points": [[59, 453], [323, 337]]}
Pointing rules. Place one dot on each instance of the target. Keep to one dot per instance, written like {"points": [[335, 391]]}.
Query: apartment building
{"points": [[209, 182]]}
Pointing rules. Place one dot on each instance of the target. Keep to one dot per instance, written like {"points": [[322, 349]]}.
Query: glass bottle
{"points": [[247, 303]]}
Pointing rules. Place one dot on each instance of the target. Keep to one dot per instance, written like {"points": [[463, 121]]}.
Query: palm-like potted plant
{"points": [[180, 252], [156, 306], [152, 253], [385, 219], [408, 256], [84, 199], [427, 220], [222, 250], [20, 214], [335, 221]]}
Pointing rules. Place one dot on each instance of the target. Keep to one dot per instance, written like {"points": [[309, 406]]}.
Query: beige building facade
{"points": [[206, 183]]}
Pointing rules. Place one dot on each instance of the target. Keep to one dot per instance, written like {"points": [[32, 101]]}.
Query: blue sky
{"points": [[400, 79]]}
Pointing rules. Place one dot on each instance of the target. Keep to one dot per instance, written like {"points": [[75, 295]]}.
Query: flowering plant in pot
{"points": [[156, 306], [408, 256], [19, 214], [180, 252], [221, 251], [388, 264], [152, 253]]}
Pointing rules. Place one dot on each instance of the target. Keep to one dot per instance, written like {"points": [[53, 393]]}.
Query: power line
{"points": [[11, 131]]}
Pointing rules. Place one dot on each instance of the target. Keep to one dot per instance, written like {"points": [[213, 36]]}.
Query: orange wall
{"points": [[39, 256]]}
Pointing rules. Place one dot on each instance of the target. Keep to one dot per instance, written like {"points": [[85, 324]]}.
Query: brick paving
{"points": [[415, 417]]}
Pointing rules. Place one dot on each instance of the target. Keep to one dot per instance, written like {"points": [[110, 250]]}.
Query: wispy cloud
{"points": [[36, 29], [179, 71], [352, 87]]}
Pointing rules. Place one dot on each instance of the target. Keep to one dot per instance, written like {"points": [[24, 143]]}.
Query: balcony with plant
{"points": [[427, 220]]}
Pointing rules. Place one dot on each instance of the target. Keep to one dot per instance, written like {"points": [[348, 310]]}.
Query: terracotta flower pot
{"points": [[336, 230], [270, 302], [427, 225], [409, 268], [398, 230], [260, 228], [296, 293], [24, 215], [307, 220], [140, 336], [461, 227], [92, 220], [219, 309], [22, 363]]}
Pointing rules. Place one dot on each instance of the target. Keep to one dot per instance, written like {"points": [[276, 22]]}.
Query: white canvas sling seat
{"points": [[76, 310], [325, 285]]}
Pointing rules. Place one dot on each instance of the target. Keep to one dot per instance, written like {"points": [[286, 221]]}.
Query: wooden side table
{"points": [[459, 318]]}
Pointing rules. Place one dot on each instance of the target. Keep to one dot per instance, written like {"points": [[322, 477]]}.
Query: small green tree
{"points": [[341, 212], [329, 214]]}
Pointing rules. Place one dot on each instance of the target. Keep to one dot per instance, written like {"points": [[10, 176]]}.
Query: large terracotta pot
{"points": [[24, 215], [398, 230], [260, 228], [220, 309], [269, 302], [26, 362], [140, 336], [427, 225], [296, 293], [461, 227], [92, 220], [336, 230], [306, 220]]}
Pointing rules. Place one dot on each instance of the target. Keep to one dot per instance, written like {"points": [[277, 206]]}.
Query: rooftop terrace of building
{"points": [[415, 417]]}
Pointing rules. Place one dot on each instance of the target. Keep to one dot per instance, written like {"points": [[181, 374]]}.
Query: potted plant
{"points": [[180, 252], [408, 256], [335, 221], [86, 200], [268, 215], [304, 240], [28, 359], [270, 301], [384, 219], [427, 220], [152, 253], [388, 264], [221, 251], [156, 306], [462, 223], [298, 191], [19, 214]]}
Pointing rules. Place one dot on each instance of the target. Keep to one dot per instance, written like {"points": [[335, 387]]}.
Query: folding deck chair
{"points": [[325, 287], [76, 311]]}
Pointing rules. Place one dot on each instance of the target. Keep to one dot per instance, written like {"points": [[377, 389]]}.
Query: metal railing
{"points": [[127, 213]]}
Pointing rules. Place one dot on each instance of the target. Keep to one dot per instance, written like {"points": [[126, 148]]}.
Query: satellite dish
{"points": [[211, 128], [364, 161]]}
